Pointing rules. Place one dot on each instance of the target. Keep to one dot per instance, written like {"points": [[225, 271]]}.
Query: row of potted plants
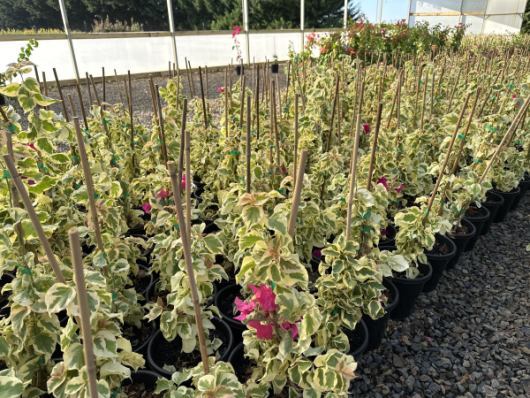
{"points": [[313, 216]]}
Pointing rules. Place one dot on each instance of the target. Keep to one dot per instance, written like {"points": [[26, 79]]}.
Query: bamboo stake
{"points": [[288, 80], [130, 100], [82, 105], [432, 92], [20, 232], [295, 158], [257, 105], [275, 123], [420, 72], [333, 110], [161, 124], [203, 102], [86, 330], [192, 82], [242, 107], [45, 87], [104, 84], [354, 156], [89, 189], [460, 148], [508, 134], [279, 97], [454, 90], [374, 147], [119, 88], [249, 106], [72, 105], [89, 94], [189, 267], [182, 138], [101, 112], [126, 92], [226, 103], [188, 75], [433, 195], [188, 181], [394, 99], [297, 193], [423, 100], [28, 205], [207, 86], [61, 95]]}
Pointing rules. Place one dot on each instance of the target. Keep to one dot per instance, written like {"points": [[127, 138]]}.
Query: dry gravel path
{"points": [[471, 336]]}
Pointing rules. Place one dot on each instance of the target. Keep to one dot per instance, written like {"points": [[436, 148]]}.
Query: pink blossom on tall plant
{"points": [[146, 207], [265, 297], [263, 331], [244, 307]]}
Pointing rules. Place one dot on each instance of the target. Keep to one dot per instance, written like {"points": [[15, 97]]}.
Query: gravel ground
{"points": [[471, 336], [142, 104]]}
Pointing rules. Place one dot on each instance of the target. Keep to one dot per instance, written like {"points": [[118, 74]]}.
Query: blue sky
{"points": [[392, 9]]}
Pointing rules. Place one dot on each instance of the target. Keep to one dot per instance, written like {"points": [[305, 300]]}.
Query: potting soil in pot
{"points": [[169, 353]]}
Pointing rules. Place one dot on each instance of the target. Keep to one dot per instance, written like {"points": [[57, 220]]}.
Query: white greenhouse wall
{"points": [[148, 54], [484, 16]]}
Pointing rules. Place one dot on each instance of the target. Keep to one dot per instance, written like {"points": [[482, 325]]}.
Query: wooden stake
{"points": [[82, 105], [45, 87], [354, 156], [90, 189], [119, 88], [84, 313], [297, 193], [192, 82], [249, 106], [71, 105], [424, 98], [453, 91], [104, 91], [61, 95], [374, 147], [203, 102], [275, 124], [161, 124], [242, 108], [433, 194], [506, 137], [189, 266], [28, 205], [226, 103], [394, 99], [279, 97], [333, 110], [188, 181], [295, 158], [89, 94], [182, 138], [131, 114], [104, 122], [257, 105]]}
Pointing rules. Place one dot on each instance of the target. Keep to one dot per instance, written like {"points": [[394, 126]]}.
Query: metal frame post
{"points": [[245, 26], [69, 36], [408, 13], [302, 23], [172, 30], [345, 14], [461, 7], [380, 11]]}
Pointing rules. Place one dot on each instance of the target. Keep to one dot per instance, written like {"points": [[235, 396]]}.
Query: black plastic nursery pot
{"points": [[141, 348], [524, 184], [224, 301], [240, 70], [359, 335], [478, 217], [390, 238], [275, 68], [4, 298], [493, 203], [409, 291], [445, 249], [147, 253], [239, 362], [141, 381], [508, 197], [376, 328], [219, 259], [2, 100], [161, 352], [461, 241]]}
